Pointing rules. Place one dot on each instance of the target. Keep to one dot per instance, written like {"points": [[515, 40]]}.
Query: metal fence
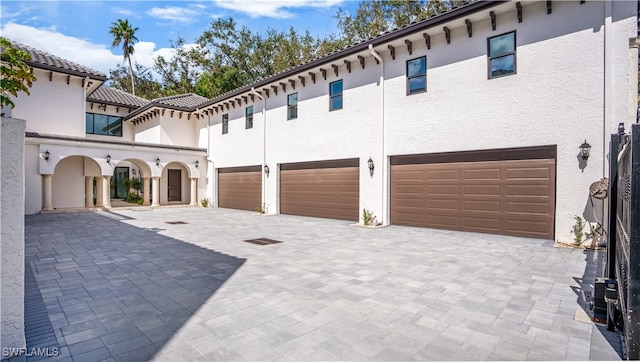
{"points": [[623, 230]]}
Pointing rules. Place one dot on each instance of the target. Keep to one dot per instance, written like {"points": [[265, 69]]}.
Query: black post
{"points": [[632, 325], [613, 202]]}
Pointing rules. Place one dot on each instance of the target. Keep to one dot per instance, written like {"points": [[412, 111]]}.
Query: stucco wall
{"points": [[54, 107], [12, 224], [566, 87]]}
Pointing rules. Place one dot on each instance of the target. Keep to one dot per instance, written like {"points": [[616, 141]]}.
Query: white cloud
{"points": [[174, 14], [96, 56], [273, 8], [122, 11]]}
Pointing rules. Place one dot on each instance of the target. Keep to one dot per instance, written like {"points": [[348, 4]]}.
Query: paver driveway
{"points": [[127, 285]]}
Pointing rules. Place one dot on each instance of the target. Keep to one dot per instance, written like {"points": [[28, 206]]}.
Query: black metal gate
{"points": [[623, 244]]}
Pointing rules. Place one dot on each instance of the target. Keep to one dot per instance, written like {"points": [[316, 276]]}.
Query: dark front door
{"points": [[175, 186], [118, 189]]}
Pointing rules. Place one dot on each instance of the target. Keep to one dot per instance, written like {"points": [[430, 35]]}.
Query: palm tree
{"points": [[124, 33]]}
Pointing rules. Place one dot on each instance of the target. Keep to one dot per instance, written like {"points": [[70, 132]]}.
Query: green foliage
{"points": [[132, 198], [16, 74], [123, 33], [595, 230], [146, 86], [260, 210], [578, 230], [205, 202], [368, 218]]}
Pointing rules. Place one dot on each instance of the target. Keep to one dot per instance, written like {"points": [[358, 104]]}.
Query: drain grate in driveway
{"points": [[263, 241], [176, 222]]}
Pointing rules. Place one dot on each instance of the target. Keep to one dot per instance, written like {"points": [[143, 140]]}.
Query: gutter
{"points": [[264, 145], [376, 55]]}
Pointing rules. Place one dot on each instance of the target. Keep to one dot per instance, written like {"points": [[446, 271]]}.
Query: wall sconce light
{"points": [[133, 171], [108, 158], [158, 161], [371, 165], [197, 163], [266, 170], [585, 149], [46, 155]]}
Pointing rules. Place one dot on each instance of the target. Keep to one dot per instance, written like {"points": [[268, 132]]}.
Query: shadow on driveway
{"points": [[112, 290]]}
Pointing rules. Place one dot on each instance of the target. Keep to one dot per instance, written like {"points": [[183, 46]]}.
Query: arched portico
{"points": [[71, 183]]}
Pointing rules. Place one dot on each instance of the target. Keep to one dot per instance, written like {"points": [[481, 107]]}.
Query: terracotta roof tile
{"points": [[115, 96], [44, 60], [188, 100]]}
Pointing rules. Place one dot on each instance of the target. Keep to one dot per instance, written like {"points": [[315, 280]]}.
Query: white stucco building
{"points": [[471, 120]]}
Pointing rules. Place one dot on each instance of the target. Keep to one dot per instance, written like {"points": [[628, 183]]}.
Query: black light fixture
{"points": [[371, 166], [585, 149], [133, 171], [108, 158], [266, 170], [158, 161], [197, 163], [46, 155]]}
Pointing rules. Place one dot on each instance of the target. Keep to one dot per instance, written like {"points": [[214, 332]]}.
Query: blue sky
{"points": [[79, 30]]}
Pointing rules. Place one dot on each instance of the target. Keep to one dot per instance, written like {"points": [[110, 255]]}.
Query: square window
{"points": [[417, 75], [248, 112], [225, 123], [89, 123], [335, 95], [102, 124], [292, 106], [501, 52]]}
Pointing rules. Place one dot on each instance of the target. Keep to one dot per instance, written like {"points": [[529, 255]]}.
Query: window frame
{"points": [[332, 96], [514, 53], [225, 123], [408, 90], [111, 120], [248, 124], [290, 107]]}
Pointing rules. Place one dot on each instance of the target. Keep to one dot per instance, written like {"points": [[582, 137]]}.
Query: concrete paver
{"points": [[126, 285]]}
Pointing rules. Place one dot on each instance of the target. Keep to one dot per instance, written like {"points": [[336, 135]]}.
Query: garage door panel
{"points": [[327, 191], [512, 197], [239, 190]]}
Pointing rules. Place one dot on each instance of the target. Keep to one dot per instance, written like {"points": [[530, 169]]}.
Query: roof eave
{"points": [[101, 78]]}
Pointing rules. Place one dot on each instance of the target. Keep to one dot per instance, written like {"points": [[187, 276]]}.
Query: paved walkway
{"points": [[136, 285]]}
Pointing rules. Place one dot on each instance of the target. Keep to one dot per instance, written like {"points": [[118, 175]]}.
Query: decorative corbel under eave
{"points": [[313, 77], [301, 80], [469, 27], [324, 73], [427, 40], [409, 46], [266, 92], [447, 34], [68, 78], [519, 11], [493, 19], [50, 76], [335, 69], [284, 87], [163, 111], [392, 50], [548, 6], [244, 98], [275, 89], [293, 83], [348, 64], [361, 59], [171, 115]]}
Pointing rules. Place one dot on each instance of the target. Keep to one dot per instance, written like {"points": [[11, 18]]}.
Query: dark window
{"points": [[292, 106], [502, 55], [225, 123], [417, 75], [102, 124], [335, 95], [248, 112]]}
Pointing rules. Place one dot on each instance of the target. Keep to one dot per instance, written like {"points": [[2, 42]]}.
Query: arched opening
{"points": [[130, 182], [175, 184], [72, 183]]}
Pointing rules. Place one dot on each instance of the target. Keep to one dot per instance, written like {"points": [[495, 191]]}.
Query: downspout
{"points": [[382, 158], [264, 146], [209, 160]]}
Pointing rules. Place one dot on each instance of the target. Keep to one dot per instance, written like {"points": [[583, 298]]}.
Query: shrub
{"points": [[368, 218], [578, 230], [205, 202], [132, 198]]}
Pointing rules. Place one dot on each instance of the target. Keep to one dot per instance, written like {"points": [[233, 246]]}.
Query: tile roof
{"points": [[189, 100], [109, 95], [44, 60]]}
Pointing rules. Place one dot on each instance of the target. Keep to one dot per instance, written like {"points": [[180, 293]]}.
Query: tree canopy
{"points": [[15, 74], [227, 56]]}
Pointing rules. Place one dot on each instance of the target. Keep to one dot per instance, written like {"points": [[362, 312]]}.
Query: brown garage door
{"points": [[240, 187], [510, 192], [328, 189]]}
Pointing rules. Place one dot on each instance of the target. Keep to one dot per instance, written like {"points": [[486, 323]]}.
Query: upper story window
{"points": [[103, 125], [502, 55], [335, 95], [292, 106], [225, 123], [417, 75], [248, 113]]}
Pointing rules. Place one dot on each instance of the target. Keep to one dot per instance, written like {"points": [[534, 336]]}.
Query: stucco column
{"points": [[146, 191], [47, 204], [106, 192], [194, 192], [99, 192], [156, 191], [88, 191]]}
